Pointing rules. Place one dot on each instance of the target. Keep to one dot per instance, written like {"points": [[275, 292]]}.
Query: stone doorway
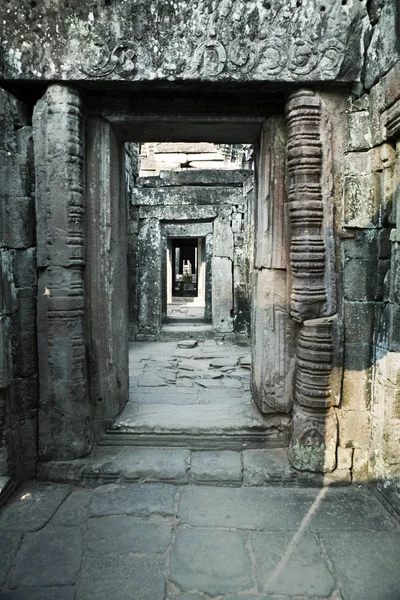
{"points": [[293, 301]]}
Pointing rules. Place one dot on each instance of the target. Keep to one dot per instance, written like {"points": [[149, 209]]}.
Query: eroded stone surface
{"points": [[141, 500], [215, 562]]}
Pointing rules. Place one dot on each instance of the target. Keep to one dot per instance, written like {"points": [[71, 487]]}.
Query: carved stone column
{"points": [[319, 351], [65, 417], [307, 247]]}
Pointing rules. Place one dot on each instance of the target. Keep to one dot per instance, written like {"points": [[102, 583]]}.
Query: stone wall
{"points": [[371, 417], [190, 196], [18, 285]]}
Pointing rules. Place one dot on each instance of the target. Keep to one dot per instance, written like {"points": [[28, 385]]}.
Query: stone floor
{"points": [[161, 541], [189, 387]]}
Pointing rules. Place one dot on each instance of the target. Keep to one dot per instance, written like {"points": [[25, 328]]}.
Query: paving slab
{"points": [[9, 544], [122, 534], [144, 464], [273, 509], [73, 511], [32, 506], [51, 556], [214, 562], [291, 566], [122, 577], [133, 499], [352, 509], [215, 466], [366, 564]]}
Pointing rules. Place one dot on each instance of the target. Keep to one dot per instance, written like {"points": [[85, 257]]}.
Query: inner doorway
{"points": [[186, 276]]}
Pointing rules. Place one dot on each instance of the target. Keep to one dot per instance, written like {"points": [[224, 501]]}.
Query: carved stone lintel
{"points": [[319, 363], [314, 439], [65, 417], [306, 210]]}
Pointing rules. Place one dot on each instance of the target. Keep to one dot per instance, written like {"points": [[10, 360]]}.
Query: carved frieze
{"points": [[200, 39], [306, 208]]}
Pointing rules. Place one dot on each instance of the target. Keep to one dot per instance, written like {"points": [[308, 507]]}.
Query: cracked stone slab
{"points": [[73, 512], [32, 506], [51, 556], [121, 577], [275, 509], [144, 464], [151, 380], [122, 534], [293, 569], [216, 467], [366, 563], [133, 499], [214, 562]]}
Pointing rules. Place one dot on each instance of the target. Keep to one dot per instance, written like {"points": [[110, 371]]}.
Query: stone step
{"points": [[240, 440], [214, 426], [182, 466]]}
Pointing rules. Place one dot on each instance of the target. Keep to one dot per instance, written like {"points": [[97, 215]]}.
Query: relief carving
{"points": [[237, 39]]}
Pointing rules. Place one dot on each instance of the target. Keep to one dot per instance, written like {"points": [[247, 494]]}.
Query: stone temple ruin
{"points": [[300, 254]]}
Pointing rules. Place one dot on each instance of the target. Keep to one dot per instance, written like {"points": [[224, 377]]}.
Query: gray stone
{"points": [[214, 562], [145, 464], [132, 499], [262, 467], [123, 534], [51, 556], [245, 508], [42, 593], [32, 507], [285, 565], [121, 577], [73, 512], [217, 467], [279, 61], [222, 310], [350, 510], [365, 563], [9, 544], [187, 344]]}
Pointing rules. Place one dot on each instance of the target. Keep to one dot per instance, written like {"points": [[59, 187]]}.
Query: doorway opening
{"points": [[186, 279]]}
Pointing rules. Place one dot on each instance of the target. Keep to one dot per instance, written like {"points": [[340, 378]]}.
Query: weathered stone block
{"points": [[360, 205], [223, 237], [16, 222], [23, 395], [359, 321], [354, 429], [359, 130], [24, 267], [223, 467], [382, 52], [8, 293], [360, 281], [23, 334], [222, 294]]}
